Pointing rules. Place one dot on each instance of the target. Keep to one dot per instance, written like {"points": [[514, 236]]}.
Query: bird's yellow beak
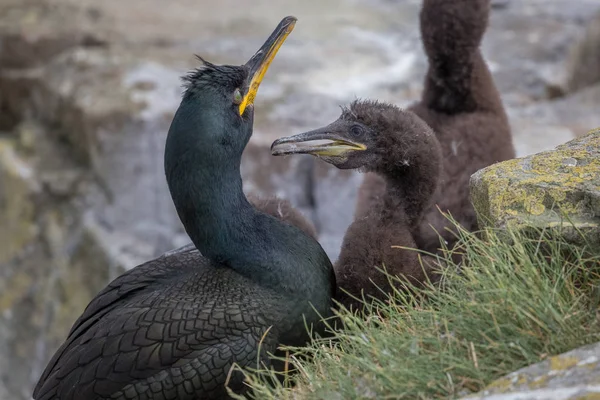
{"points": [[259, 63]]}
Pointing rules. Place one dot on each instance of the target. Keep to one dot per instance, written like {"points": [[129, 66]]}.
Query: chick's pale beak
{"points": [[259, 63], [320, 142]]}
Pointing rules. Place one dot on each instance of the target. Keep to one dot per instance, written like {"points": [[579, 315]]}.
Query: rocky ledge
{"points": [[569, 376], [558, 189]]}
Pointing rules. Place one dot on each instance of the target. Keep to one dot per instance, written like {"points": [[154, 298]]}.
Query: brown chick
{"points": [[401, 148], [283, 210], [461, 104], [416, 160]]}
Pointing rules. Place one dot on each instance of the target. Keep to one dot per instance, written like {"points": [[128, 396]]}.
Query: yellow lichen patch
{"points": [[590, 365], [522, 380], [500, 385], [559, 363], [538, 382], [561, 162], [533, 202], [498, 191], [552, 186], [595, 130], [557, 194]]}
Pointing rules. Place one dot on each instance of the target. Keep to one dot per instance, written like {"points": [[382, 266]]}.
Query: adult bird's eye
{"points": [[237, 96], [356, 130]]}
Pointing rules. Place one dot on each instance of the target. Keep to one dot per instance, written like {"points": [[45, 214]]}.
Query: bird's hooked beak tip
{"points": [[261, 60], [319, 143]]}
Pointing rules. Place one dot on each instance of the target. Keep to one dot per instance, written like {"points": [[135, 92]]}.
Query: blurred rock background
{"points": [[88, 88]]}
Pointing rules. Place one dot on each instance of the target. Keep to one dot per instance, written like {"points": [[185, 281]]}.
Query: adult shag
{"points": [[420, 159], [173, 327]]}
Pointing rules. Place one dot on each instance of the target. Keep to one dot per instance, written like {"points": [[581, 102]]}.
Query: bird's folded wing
{"points": [[129, 333]]}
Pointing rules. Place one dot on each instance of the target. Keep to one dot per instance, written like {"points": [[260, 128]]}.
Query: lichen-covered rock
{"points": [[553, 189], [574, 375]]}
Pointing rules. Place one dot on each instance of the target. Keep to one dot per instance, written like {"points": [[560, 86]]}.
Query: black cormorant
{"points": [[173, 327]]}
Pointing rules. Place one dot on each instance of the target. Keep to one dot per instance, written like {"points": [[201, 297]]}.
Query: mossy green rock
{"points": [[569, 376], [558, 189]]}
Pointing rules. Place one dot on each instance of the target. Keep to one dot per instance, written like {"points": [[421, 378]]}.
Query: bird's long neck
{"points": [[214, 209], [454, 86], [206, 187], [229, 231], [458, 79], [412, 176]]}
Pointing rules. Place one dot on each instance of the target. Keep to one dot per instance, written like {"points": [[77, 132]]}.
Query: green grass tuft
{"points": [[511, 306]]}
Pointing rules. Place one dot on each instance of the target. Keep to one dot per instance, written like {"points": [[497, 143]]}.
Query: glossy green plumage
{"points": [[171, 328]]}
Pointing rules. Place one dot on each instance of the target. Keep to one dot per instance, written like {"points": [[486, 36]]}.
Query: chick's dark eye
{"points": [[237, 96], [356, 130]]}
